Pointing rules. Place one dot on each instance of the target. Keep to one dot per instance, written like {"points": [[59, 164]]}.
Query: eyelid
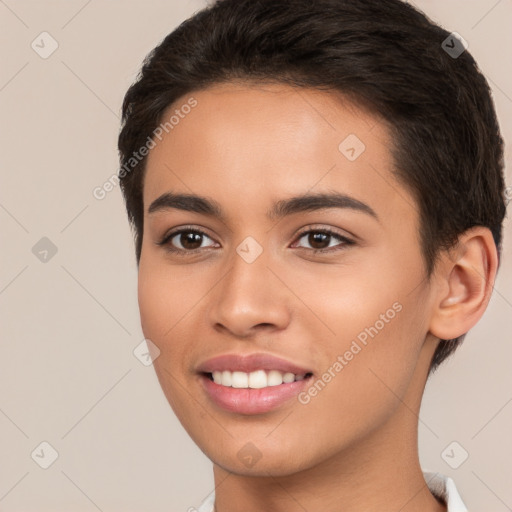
{"points": [[329, 229], [343, 239]]}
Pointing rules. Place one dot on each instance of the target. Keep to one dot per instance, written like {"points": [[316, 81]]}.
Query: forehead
{"points": [[256, 142]]}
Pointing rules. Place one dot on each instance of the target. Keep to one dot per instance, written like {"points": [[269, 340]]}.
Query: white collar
{"points": [[444, 487], [440, 485]]}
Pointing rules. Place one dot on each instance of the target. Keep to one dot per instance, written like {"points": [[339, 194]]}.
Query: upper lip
{"points": [[250, 363]]}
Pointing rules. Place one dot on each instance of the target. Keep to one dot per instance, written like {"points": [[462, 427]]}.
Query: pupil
{"points": [[191, 238], [319, 238]]}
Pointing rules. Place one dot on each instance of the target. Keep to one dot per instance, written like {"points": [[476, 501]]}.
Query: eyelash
{"points": [[184, 252]]}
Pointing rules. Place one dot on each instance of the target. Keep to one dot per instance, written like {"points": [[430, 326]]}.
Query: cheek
{"points": [[163, 304], [161, 309], [374, 301], [377, 329], [154, 306], [165, 297], [374, 323]]}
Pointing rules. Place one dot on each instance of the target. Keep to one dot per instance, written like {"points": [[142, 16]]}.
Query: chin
{"points": [[267, 466], [263, 458]]}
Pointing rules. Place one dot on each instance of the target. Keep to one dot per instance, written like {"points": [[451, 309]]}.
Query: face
{"points": [[331, 291]]}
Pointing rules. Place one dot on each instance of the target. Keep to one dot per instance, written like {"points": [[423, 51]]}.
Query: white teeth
{"points": [[254, 380], [288, 377], [226, 378], [240, 380], [258, 379], [274, 378]]}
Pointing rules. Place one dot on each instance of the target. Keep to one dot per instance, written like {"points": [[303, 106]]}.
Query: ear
{"points": [[464, 280]]}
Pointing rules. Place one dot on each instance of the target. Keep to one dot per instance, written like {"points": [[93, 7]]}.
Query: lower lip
{"points": [[252, 401]]}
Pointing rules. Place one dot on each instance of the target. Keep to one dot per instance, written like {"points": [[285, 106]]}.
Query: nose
{"points": [[249, 299]]}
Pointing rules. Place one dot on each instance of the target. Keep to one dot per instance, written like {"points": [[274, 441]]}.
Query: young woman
{"points": [[316, 193]]}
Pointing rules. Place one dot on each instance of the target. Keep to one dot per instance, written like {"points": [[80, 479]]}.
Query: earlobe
{"points": [[464, 278]]}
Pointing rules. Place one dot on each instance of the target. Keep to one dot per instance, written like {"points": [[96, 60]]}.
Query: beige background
{"points": [[69, 325]]}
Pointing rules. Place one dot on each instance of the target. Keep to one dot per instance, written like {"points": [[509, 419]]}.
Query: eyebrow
{"points": [[298, 204]]}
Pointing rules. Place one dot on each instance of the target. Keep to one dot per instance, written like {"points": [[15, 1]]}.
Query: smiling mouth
{"points": [[254, 380]]}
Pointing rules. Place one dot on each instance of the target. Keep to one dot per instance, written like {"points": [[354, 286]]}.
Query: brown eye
{"points": [[185, 241], [321, 240], [318, 240], [190, 239]]}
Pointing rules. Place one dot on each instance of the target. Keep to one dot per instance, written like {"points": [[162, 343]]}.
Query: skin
{"points": [[353, 447]]}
